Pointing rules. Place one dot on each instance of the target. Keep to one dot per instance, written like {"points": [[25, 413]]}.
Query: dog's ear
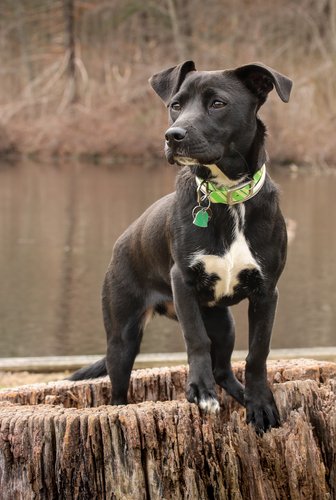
{"points": [[261, 79], [167, 82]]}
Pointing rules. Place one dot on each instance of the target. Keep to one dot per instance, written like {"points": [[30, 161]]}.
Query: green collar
{"points": [[235, 194]]}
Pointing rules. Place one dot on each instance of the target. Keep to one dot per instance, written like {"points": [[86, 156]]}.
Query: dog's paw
{"points": [[210, 405], [262, 412], [233, 387], [205, 399]]}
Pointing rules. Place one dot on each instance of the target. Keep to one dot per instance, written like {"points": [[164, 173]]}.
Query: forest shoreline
{"points": [[74, 75]]}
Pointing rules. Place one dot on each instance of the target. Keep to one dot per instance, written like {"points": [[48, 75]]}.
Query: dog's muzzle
{"points": [[174, 143]]}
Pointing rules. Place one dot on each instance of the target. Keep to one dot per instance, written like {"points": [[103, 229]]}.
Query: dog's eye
{"points": [[176, 106], [217, 104]]}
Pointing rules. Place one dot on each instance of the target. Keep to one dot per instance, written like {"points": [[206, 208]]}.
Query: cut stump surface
{"points": [[62, 441]]}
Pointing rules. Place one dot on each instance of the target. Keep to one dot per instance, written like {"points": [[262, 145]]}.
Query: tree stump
{"points": [[62, 441]]}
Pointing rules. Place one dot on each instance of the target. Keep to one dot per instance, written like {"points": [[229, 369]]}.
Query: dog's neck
{"points": [[246, 165]]}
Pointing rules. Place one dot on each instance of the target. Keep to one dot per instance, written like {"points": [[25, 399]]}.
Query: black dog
{"points": [[219, 239]]}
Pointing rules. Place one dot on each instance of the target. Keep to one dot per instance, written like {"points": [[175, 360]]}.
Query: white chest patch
{"points": [[228, 266]]}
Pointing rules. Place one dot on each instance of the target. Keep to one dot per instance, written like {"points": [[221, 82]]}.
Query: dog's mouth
{"points": [[184, 156], [216, 175], [188, 161], [185, 161]]}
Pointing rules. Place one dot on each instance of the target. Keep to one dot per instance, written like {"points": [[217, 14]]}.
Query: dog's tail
{"points": [[98, 369]]}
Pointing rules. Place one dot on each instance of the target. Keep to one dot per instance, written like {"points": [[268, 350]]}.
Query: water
{"points": [[58, 224]]}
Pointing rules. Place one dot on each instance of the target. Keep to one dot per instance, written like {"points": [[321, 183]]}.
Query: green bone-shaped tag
{"points": [[201, 219]]}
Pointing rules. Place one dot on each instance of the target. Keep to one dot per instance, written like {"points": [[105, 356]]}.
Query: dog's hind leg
{"points": [[123, 320], [220, 328], [122, 348]]}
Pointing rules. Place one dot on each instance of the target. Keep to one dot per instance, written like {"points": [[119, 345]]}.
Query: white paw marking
{"points": [[209, 405]]}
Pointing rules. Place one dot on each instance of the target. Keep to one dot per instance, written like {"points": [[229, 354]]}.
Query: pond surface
{"points": [[58, 224]]}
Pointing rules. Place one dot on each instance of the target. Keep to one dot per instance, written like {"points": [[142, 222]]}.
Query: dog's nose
{"points": [[175, 134]]}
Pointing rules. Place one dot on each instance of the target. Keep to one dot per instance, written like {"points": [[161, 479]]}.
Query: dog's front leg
{"points": [[260, 405], [201, 382]]}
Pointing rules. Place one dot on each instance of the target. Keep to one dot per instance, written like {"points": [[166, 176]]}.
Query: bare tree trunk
{"points": [[26, 62], [169, 449], [179, 43], [70, 45]]}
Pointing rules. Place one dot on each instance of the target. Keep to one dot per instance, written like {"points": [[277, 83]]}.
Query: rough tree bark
{"points": [[61, 440]]}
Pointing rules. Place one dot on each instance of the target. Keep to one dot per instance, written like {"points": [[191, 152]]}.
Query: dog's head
{"points": [[213, 114]]}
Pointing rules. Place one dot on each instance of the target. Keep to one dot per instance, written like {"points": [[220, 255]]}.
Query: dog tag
{"points": [[201, 219]]}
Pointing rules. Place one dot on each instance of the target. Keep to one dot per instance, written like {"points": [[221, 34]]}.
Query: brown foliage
{"points": [[119, 44]]}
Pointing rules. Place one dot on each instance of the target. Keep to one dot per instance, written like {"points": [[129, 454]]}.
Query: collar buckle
{"points": [[230, 191]]}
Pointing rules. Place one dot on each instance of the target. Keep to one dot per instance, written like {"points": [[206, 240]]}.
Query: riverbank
{"points": [[74, 82], [126, 120], [103, 135], [113, 131]]}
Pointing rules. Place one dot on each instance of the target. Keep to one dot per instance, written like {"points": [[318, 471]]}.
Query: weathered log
{"points": [[81, 449]]}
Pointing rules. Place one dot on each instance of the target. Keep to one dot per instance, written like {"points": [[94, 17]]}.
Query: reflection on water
{"points": [[57, 228]]}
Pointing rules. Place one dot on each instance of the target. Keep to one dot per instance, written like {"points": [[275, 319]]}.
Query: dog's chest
{"points": [[221, 274]]}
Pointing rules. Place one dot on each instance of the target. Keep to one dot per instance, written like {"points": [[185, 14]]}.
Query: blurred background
{"points": [[81, 154]]}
